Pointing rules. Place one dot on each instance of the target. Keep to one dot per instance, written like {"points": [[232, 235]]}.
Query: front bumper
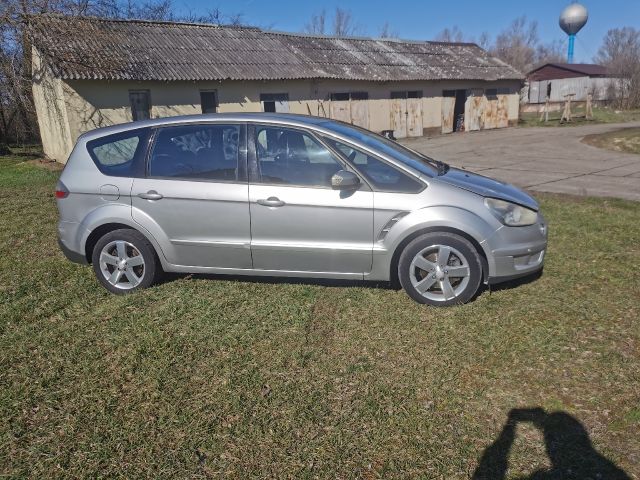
{"points": [[517, 251]]}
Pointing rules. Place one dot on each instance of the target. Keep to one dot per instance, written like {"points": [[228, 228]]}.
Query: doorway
{"points": [[458, 110]]}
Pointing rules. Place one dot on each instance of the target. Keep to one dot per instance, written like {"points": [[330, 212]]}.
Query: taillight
{"points": [[61, 190]]}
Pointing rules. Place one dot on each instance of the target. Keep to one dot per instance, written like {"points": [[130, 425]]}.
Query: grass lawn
{"points": [[624, 140], [249, 379], [600, 115]]}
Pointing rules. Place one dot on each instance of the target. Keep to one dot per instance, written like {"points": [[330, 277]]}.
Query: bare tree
{"points": [[214, 16], [453, 34], [551, 52], [386, 31], [516, 45], [317, 23], [620, 53], [342, 25], [484, 41], [17, 112]]}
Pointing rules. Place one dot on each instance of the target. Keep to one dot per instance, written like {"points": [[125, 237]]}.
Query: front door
{"points": [[195, 194], [298, 222]]}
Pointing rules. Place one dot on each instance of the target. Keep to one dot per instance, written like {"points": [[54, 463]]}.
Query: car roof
{"points": [[284, 118]]}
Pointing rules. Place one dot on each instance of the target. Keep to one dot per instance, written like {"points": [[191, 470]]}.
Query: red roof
{"points": [[552, 71]]}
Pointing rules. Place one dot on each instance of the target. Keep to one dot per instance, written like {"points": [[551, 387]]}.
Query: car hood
{"points": [[488, 187]]}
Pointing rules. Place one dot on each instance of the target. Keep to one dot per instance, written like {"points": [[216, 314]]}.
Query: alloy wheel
{"points": [[439, 273], [122, 264]]}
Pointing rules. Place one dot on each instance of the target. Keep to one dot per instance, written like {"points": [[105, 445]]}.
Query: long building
{"points": [[90, 72]]}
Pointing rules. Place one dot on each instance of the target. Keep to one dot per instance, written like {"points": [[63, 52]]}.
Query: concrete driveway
{"points": [[551, 159]]}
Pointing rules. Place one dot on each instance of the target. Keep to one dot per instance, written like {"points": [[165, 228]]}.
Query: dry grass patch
{"points": [[624, 140]]}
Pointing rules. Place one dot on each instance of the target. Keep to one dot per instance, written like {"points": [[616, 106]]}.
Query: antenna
{"points": [[572, 19]]}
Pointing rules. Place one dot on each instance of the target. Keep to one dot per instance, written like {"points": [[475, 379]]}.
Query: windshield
{"points": [[415, 160]]}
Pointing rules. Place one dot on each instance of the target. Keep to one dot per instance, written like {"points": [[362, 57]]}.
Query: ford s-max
{"points": [[288, 195]]}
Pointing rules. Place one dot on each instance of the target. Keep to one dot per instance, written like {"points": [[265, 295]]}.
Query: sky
{"points": [[422, 20]]}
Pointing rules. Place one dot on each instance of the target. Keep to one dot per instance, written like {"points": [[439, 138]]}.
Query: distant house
{"points": [[119, 71], [554, 81]]}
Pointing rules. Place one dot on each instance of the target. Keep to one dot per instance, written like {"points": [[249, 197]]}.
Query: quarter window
{"points": [[121, 154], [381, 175], [292, 157], [196, 152]]}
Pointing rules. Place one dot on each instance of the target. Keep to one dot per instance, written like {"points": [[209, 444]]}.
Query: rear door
{"points": [[195, 192], [298, 222]]}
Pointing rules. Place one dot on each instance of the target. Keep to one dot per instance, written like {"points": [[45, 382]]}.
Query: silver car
{"points": [[288, 195]]}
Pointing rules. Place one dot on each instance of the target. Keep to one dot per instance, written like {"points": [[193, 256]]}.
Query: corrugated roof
{"points": [[587, 69], [92, 48]]}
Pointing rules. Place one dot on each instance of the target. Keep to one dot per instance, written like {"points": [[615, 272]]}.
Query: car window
{"points": [[196, 152], [292, 157], [120, 154], [412, 159], [381, 175]]}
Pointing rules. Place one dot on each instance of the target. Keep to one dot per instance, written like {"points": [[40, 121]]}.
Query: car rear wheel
{"points": [[440, 269], [124, 261]]}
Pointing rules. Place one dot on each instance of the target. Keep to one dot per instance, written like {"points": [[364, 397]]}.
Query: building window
{"points": [[140, 101], [359, 96], [275, 102], [492, 93], [344, 96], [407, 94], [209, 101]]}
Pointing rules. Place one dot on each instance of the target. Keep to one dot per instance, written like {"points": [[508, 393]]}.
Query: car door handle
{"points": [[150, 195], [271, 202]]}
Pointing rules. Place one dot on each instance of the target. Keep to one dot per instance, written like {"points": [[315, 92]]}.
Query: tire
{"points": [[140, 269], [427, 280]]}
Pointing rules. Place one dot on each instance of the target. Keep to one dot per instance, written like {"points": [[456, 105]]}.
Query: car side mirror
{"points": [[344, 180]]}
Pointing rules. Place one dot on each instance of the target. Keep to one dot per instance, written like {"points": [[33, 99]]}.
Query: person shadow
{"points": [[567, 444]]}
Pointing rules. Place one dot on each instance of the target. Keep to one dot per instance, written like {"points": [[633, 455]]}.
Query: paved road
{"points": [[551, 159]]}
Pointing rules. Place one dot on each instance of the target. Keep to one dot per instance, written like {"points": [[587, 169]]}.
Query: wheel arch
{"points": [[101, 230], [395, 258]]}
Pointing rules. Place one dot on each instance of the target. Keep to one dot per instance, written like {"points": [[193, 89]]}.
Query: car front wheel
{"points": [[124, 261], [440, 269]]}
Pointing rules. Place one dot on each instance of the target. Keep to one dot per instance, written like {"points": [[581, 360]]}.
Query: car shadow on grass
{"points": [[338, 283], [325, 282], [567, 443]]}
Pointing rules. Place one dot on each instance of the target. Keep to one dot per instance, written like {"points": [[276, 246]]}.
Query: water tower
{"points": [[572, 19]]}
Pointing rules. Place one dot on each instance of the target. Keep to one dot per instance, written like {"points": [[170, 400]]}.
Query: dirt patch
{"points": [[625, 140], [50, 165]]}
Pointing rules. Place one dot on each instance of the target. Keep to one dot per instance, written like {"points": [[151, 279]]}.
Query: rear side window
{"points": [[196, 152], [382, 176], [121, 154]]}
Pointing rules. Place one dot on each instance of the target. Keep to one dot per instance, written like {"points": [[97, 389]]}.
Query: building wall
{"points": [[50, 106], [601, 89], [91, 103]]}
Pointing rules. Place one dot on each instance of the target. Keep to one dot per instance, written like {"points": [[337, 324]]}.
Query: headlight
{"points": [[511, 214]]}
